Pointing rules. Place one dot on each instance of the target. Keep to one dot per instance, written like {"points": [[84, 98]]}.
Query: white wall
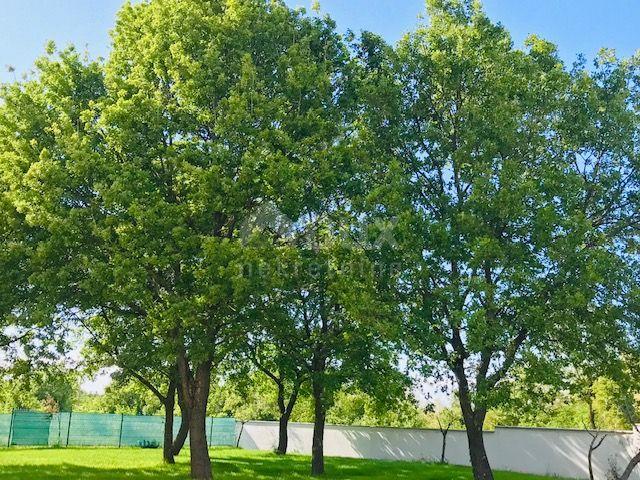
{"points": [[529, 450]]}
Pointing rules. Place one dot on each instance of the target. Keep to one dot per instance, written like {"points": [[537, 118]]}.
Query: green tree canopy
{"points": [[513, 184]]}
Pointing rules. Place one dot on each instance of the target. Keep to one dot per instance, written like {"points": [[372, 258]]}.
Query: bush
{"points": [[148, 444]]}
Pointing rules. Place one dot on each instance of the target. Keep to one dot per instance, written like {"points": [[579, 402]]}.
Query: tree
{"points": [[268, 354], [511, 181], [47, 113], [446, 419], [244, 396], [124, 342], [123, 396], [335, 317], [238, 113], [25, 385], [207, 110]]}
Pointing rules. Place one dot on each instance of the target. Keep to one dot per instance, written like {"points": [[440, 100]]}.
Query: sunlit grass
{"points": [[228, 463]]}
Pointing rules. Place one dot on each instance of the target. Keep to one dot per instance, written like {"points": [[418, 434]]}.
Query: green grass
{"points": [[228, 463]]}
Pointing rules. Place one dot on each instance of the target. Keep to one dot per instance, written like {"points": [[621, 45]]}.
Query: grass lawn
{"points": [[229, 463]]}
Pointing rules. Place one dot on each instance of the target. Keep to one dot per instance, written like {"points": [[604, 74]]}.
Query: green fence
{"points": [[29, 428]]}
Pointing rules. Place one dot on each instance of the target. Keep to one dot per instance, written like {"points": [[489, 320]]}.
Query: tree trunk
{"points": [[474, 423], [183, 431], [443, 455], [590, 460], [320, 416], [169, 407], [477, 452], [285, 415], [283, 434], [632, 464], [196, 394]]}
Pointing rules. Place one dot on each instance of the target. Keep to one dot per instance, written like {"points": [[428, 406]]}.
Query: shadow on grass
{"points": [[68, 472], [228, 464]]}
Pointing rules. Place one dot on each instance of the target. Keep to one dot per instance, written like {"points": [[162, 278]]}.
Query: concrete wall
{"points": [[550, 452]]}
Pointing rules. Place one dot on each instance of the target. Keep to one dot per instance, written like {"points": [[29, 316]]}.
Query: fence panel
{"points": [[138, 430], [94, 429], [222, 432], [104, 430], [5, 428], [30, 428]]}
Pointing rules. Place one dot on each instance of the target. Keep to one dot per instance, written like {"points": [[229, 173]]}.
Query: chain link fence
{"points": [[66, 429]]}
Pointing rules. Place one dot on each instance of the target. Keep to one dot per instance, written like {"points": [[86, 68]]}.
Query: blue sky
{"points": [[577, 26]]}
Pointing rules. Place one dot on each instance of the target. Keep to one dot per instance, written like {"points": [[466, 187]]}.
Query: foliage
{"points": [[512, 182], [254, 398], [50, 388], [469, 204], [566, 410], [121, 396]]}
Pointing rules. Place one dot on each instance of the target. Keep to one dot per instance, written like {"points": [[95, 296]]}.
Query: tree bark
{"points": [[196, 393], [169, 407], [630, 467], [320, 416], [443, 455], [478, 453], [283, 435], [285, 415], [183, 431], [474, 423]]}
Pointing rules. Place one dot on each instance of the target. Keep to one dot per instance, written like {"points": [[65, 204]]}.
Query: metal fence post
{"points": [[10, 428], [120, 437], [69, 428]]}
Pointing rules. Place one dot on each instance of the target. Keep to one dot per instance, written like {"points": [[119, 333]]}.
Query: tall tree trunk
{"points": [[478, 453], [320, 416], [474, 423], [183, 431], [169, 407], [196, 392]]}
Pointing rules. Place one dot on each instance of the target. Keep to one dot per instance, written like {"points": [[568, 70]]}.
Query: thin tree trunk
{"points": [[169, 407], [320, 416], [596, 439], [285, 415], [630, 467], [590, 459], [168, 401], [196, 392], [183, 431], [443, 455]]}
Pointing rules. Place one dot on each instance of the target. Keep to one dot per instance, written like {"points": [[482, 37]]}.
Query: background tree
{"points": [[51, 388], [125, 342], [268, 353], [123, 395], [335, 317], [446, 419]]}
